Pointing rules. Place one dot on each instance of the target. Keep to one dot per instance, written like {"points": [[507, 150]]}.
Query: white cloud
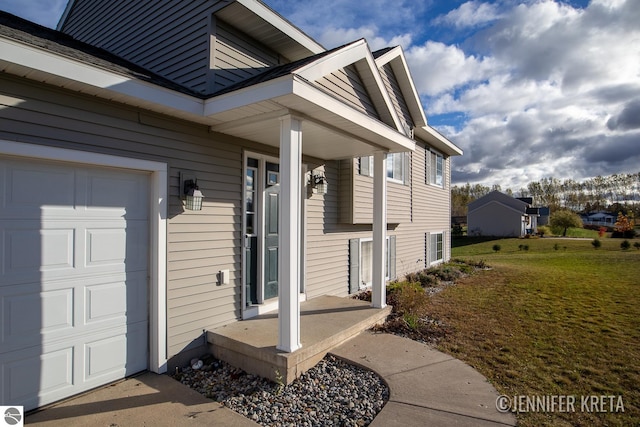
{"points": [[437, 67], [470, 14]]}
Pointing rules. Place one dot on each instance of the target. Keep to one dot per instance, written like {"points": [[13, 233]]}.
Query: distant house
{"points": [[498, 214], [604, 219], [319, 172]]}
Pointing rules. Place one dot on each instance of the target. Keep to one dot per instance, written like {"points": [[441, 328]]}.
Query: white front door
{"points": [[73, 279]]}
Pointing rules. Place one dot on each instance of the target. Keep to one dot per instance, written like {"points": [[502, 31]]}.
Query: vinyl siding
{"points": [[346, 85], [395, 94], [237, 57], [199, 243], [170, 38], [360, 196]]}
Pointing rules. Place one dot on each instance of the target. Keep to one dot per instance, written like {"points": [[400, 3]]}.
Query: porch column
{"points": [[289, 257], [379, 291]]}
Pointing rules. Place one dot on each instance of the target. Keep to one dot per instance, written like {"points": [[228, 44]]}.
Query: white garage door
{"points": [[73, 278]]}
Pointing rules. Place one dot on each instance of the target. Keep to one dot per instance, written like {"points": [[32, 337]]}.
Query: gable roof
{"points": [[501, 198]]}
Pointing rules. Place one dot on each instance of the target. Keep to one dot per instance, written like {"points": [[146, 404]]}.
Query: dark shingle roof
{"points": [[36, 35]]}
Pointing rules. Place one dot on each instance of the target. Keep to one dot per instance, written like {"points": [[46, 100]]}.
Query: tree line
{"points": [[613, 193]]}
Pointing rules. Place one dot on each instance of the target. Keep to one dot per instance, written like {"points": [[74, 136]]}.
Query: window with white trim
{"points": [[361, 262], [396, 165], [436, 247], [434, 163]]}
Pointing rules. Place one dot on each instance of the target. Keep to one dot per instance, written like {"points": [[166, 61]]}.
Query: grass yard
{"points": [[556, 318]]}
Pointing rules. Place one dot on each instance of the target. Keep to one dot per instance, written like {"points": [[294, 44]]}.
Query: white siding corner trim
{"points": [[158, 219]]}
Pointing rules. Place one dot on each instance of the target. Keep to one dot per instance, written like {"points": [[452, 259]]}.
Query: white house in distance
{"points": [[500, 215], [319, 172]]}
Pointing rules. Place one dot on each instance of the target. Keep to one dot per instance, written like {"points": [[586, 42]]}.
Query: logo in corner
{"points": [[13, 416]]}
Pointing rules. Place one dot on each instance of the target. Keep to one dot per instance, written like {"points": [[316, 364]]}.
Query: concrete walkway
{"points": [[427, 388]]}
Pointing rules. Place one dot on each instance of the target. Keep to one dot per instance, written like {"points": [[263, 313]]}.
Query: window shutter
{"points": [[364, 166], [392, 257], [427, 243], [446, 243], [406, 171], [427, 167], [354, 265]]}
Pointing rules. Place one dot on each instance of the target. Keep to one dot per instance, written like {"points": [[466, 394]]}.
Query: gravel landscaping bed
{"points": [[333, 393]]}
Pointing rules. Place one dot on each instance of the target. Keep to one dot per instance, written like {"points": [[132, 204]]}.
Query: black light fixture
{"points": [[192, 195], [318, 183]]}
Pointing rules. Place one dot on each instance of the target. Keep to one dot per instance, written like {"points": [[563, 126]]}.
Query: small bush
{"points": [[544, 230], [596, 243], [496, 247], [446, 272], [625, 245], [637, 245], [525, 247], [556, 246], [409, 301]]}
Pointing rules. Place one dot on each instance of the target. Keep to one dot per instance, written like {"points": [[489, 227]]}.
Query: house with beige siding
{"points": [[319, 172]]}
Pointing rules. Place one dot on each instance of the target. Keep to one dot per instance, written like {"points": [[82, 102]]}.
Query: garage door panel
{"points": [[37, 376], [49, 312], [130, 201], [112, 355], [30, 249], [29, 188]]}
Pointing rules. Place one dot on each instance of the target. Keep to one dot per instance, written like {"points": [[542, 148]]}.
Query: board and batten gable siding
{"points": [[393, 88], [345, 84], [236, 56], [199, 244], [170, 38]]}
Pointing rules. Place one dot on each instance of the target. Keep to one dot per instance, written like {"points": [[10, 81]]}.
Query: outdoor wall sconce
{"points": [[318, 183], [192, 195]]}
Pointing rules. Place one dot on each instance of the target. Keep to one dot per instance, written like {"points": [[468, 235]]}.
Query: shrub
{"points": [[409, 301], [445, 272], [457, 230], [625, 245], [525, 247], [637, 245], [543, 229], [556, 246], [596, 243], [496, 247], [602, 231]]}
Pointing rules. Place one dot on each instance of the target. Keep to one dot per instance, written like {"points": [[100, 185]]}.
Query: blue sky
{"points": [[528, 89]]}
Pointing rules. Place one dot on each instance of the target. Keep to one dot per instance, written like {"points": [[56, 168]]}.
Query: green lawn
{"points": [[560, 318]]}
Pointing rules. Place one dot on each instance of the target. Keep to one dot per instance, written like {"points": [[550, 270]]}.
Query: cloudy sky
{"points": [[528, 89]]}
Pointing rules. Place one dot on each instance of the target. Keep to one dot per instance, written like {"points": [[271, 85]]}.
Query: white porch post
{"points": [[379, 291], [289, 257]]}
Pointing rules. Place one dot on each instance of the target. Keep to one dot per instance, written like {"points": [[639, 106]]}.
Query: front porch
{"points": [[325, 323]]}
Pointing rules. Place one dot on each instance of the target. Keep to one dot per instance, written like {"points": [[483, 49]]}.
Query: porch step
{"points": [[325, 323]]}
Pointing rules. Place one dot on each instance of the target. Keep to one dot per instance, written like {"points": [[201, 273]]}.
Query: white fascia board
{"points": [[79, 72], [401, 69], [328, 64], [282, 24], [249, 95], [433, 137], [390, 138]]}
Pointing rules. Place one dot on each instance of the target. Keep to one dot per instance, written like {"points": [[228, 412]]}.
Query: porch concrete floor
{"points": [[325, 323]]}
